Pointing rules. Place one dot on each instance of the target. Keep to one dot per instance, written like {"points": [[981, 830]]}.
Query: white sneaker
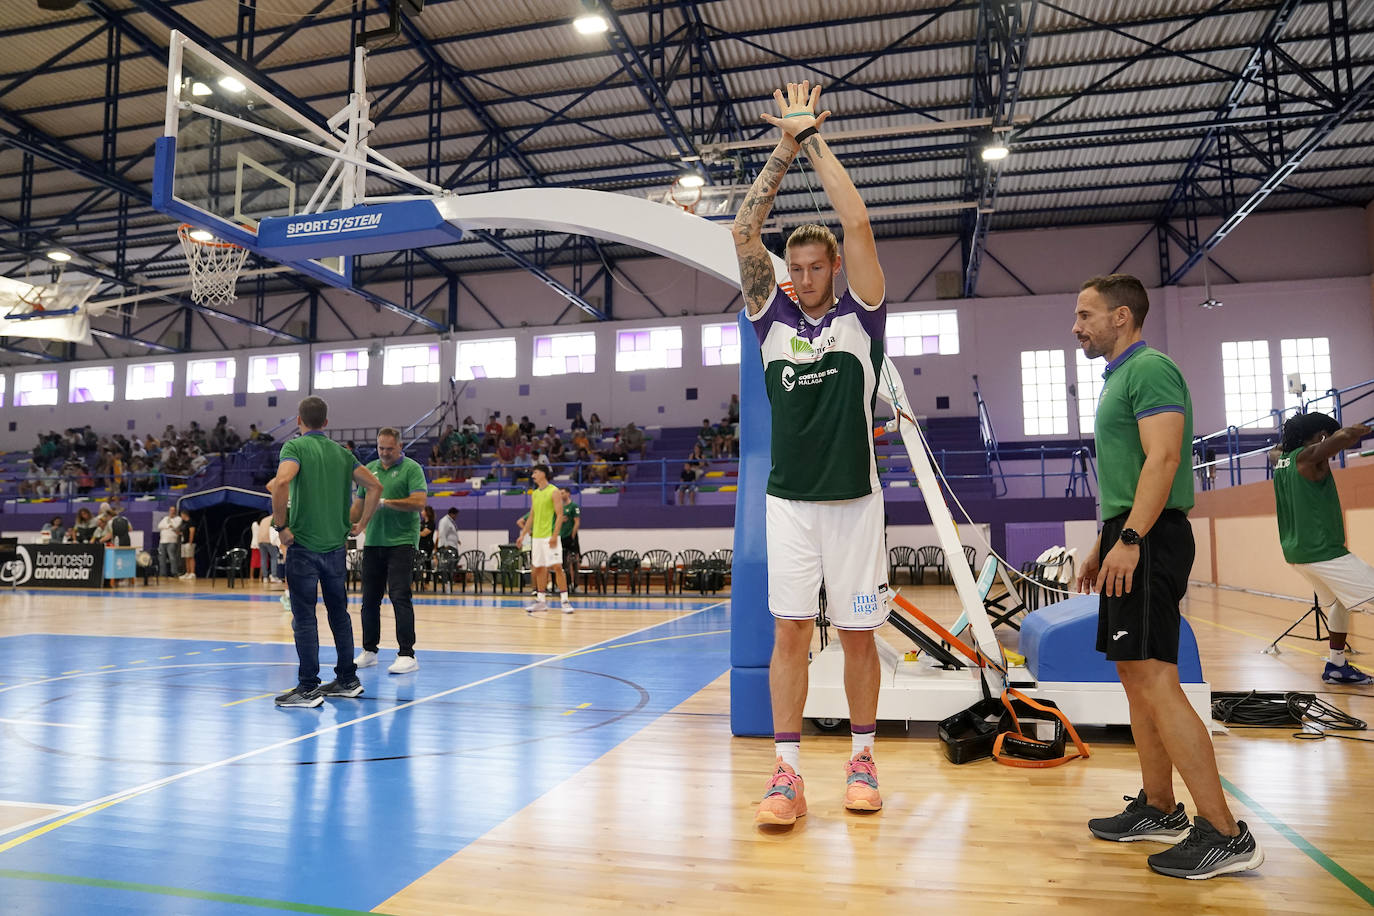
{"points": [[188, 577], [536, 605], [365, 659], [404, 664], [567, 606]]}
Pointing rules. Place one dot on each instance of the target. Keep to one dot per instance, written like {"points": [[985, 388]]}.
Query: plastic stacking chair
{"points": [[627, 563], [445, 568], [472, 563], [661, 565], [233, 563], [592, 565], [971, 554], [901, 558], [930, 558], [688, 561]]}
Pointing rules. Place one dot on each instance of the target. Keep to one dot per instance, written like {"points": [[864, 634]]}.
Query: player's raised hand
{"points": [[798, 109]]}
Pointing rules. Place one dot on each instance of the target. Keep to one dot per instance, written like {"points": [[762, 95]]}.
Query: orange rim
{"points": [[185, 230]]}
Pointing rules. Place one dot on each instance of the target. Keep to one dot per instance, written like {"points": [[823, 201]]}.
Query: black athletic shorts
{"points": [[1144, 623]]}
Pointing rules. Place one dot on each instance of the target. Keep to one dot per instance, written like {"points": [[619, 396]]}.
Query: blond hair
{"points": [[814, 233]]}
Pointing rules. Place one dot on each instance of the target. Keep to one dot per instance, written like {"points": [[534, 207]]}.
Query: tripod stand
{"points": [[1319, 619]]}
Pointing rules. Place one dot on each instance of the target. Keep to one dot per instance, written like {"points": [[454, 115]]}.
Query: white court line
{"points": [[37, 722], [115, 797], [13, 803]]}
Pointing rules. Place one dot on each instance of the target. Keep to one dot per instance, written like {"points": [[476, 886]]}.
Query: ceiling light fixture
{"points": [[59, 256], [591, 24], [691, 180], [229, 84], [996, 151], [199, 89]]}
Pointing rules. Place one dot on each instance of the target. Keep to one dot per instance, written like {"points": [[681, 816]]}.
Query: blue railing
{"points": [[991, 452], [1238, 461]]}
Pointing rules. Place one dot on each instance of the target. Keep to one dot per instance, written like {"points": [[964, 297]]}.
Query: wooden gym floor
{"points": [[580, 764]]}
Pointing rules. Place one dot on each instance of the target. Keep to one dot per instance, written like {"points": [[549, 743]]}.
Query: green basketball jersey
{"points": [[1311, 528], [1139, 383], [822, 383]]}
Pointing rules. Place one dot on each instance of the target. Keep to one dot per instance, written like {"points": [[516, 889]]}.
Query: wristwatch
{"points": [[1130, 536], [278, 528]]}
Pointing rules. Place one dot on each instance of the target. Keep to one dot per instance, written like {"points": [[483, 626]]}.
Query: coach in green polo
{"points": [[1140, 565], [389, 549]]}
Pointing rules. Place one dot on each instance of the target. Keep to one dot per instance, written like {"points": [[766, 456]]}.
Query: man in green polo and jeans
{"points": [[1140, 566], [311, 495], [389, 549]]}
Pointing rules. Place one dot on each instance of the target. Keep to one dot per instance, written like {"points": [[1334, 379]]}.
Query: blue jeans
{"points": [[268, 555], [307, 571]]}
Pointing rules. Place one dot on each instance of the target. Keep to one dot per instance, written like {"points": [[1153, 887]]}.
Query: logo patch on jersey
{"points": [[810, 351], [788, 378], [865, 605], [802, 347], [1282, 463]]}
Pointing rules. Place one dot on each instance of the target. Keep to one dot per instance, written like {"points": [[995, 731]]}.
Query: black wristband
{"points": [[804, 135]]}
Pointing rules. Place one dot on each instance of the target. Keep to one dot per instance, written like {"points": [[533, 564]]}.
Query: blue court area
{"points": [[178, 787]]}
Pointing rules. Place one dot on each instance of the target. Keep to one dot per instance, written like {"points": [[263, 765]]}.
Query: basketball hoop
{"points": [[215, 267]]}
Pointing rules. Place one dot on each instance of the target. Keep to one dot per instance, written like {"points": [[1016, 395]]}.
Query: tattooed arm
{"points": [[862, 270], [757, 279]]}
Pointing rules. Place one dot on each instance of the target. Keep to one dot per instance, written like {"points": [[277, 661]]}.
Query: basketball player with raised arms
{"points": [[822, 355]]}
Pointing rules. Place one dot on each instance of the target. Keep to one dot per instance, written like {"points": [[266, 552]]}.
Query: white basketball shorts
{"points": [[541, 554], [1342, 585], [840, 542]]}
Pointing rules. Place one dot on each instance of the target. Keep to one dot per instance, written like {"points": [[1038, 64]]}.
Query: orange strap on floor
{"points": [[1017, 738]]}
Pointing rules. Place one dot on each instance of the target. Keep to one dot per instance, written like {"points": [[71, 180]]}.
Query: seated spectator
{"points": [[599, 470], [698, 455], [511, 430], [493, 431], [580, 442], [199, 461], [527, 427], [687, 486], [142, 479], [81, 529], [469, 426], [137, 448], [523, 466], [436, 456], [54, 529], [633, 439], [555, 453], [594, 431], [578, 423], [33, 480], [505, 457], [706, 434]]}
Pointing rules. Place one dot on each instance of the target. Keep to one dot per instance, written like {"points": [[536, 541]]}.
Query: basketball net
{"points": [[214, 265], [685, 198]]}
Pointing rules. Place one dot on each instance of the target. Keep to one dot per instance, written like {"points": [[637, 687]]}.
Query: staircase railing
{"points": [[990, 449]]}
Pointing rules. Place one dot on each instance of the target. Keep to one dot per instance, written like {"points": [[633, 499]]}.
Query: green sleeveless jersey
{"points": [[1311, 528], [542, 512]]}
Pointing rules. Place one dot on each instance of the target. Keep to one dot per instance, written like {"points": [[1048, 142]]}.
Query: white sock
{"points": [[563, 595], [862, 739], [538, 596], [1337, 657], [790, 752]]}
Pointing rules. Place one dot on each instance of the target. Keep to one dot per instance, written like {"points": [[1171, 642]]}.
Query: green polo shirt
{"points": [[321, 491], [391, 527], [570, 514], [1139, 383], [1311, 527]]}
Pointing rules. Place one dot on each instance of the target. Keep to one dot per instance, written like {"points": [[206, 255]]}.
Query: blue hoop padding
{"points": [[751, 626]]}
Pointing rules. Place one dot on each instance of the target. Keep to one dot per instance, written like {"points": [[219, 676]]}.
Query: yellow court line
{"points": [[1222, 626], [626, 645], [192, 653], [576, 708], [138, 661], [583, 705], [248, 699], [34, 834], [103, 667], [165, 657], [75, 671], [244, 646], [220, 649]]}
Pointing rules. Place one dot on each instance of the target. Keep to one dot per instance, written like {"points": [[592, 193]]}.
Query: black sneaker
{"points": [[353, 688], [303, 697], [1141, 822], [1206, 853]]}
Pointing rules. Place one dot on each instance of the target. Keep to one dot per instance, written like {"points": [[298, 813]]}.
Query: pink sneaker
{"points": [[783, 801], [861, 783]]}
